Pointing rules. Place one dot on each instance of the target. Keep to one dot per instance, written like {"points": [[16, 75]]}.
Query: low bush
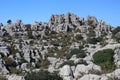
{"points": [[42, 75], [13, 70], [70, 62], [92, 40], [79, 37], [104, 58], [9, 62], [79, 53]]}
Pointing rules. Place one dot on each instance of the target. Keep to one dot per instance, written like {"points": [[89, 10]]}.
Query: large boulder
{"points": [[66, 73], [82, 69]]}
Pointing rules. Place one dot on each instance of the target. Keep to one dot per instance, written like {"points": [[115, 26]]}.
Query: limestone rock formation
{"points": [[66, 72], [117, 55], [63, 46]]}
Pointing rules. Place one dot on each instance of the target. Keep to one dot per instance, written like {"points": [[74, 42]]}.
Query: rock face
{"points": [[117, 55], [115, 74], [82, 69], [66, 73], [59, 23]]}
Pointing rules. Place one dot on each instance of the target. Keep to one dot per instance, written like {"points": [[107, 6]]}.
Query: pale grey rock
{"points": [[90, 77], [26, 51], [104, 77], [94, 67], [3, 71], [66, 73], [3, 49], [82, 69], [117, 55], [37, 54], [15, 77], [35, 70], [18, 55], [43, 53], [60, 61], [24, 67], [1, 26], [114, 74], [54, 64]]}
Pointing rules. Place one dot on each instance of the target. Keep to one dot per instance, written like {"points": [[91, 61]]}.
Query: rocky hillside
{"points": [[67, 47]]}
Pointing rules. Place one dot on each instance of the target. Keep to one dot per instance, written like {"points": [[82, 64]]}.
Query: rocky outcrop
{"points": [[59, 23], [66, 72], [62, 41], [82, 70], [117, 56]]}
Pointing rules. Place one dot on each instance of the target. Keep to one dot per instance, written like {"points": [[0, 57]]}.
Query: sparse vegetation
{"points": [[80, 53], [69, 62], [79, 37], [12, 49], [9, 62], [3, 78], [42, 75], [92, 40], [13, 70]]}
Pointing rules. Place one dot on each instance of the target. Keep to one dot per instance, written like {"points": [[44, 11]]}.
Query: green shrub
{"points": [[115, 78], [79, 37], [104, 58], [45, 64], [99, 39], [9, 62], [28, 27], [42, 75], [70, 62], [80, 53], [92, 40], [86, 45], [13, 70], [30, 35]]}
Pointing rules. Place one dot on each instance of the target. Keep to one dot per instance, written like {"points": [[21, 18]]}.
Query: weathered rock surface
{"points": [[66, 72], [15, 77]]}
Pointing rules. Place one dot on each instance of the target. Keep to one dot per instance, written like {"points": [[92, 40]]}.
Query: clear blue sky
{"points": [[41, 10]]}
